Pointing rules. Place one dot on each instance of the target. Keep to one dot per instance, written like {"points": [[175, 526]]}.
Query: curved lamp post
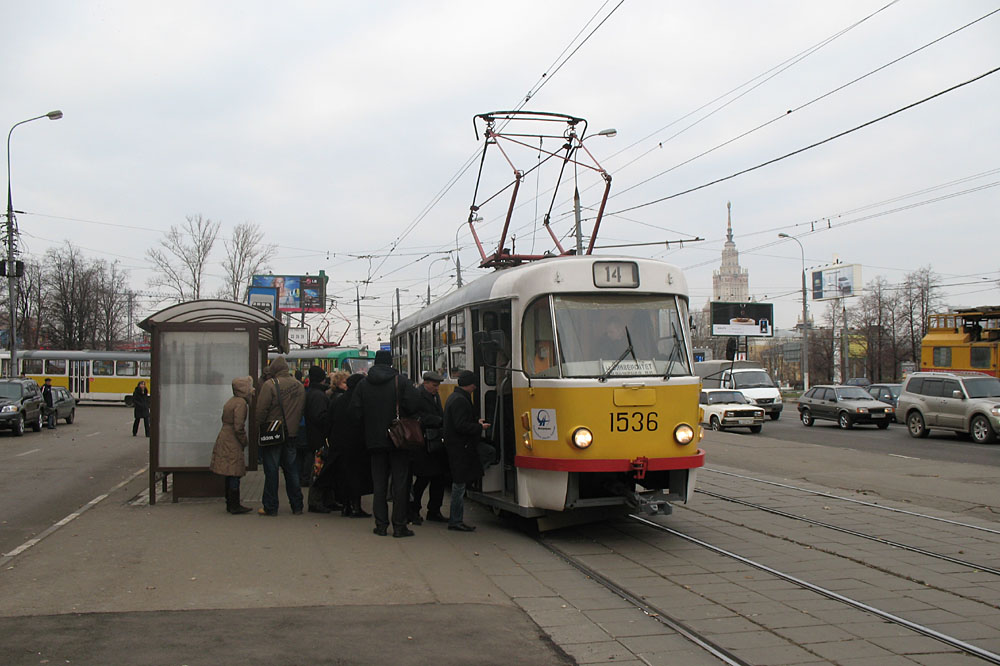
{"points": [[11, 268], [429, 276], [805, 316]]}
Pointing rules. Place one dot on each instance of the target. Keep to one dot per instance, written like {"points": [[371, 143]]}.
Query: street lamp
{"points": [[805, 316], [578, 230], [429, 276], [11, 268]]}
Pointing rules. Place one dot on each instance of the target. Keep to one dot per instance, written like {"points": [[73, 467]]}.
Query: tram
{"points": [[100, 376], [586, 376], [351, 359], [964, 340]]}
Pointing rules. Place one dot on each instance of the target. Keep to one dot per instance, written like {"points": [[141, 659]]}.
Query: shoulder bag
{"points": [[274, 432], [405, 432]]}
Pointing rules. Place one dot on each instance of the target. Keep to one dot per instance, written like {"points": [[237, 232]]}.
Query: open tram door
{"points": [[495, 402]]}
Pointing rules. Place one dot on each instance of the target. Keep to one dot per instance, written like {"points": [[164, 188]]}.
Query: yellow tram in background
{"points": [[585, 370], [102, 376], [963, 340]]}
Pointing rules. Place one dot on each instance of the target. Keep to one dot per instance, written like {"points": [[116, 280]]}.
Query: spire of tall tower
{"points": [[729, 221]]}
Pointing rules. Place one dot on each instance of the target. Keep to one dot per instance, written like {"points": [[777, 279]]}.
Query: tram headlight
{"points": [[582, 438], [684, 434]]}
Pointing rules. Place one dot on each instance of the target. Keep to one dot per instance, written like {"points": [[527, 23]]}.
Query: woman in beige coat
{"points": [[228, 459]]}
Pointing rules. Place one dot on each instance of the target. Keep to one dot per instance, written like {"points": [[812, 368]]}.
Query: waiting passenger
{"points": [[228, 459], [352, 464], [287, 406], [430, 467], [462, 434], [140, 407]]}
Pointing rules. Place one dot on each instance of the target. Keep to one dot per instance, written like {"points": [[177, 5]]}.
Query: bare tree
{"points": [[29, 304], [919, 299], [68, 313], [246, 256], [181, 261], [112, 301]]}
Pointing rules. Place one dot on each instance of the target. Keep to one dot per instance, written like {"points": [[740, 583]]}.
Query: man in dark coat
{"points": [[352, 474], [317, 426], [375, 403], [430, 467], [462, 432], [49, 407], [272, 406]]}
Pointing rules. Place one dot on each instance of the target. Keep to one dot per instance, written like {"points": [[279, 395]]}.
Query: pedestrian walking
{"points": [[430, 466], [281, 397], [140, 408], [49, 409], [462, 433], [228, 458], [375, 404]]}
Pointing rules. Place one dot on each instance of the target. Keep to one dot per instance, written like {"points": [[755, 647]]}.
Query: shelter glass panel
{"points": [[196, 374]]}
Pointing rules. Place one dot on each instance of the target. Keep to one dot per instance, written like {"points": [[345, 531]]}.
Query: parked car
{"points": [[725, 408], [20, 404], [847, 405], [968, 404], [857, 381], [886, 393], [64, 403]]}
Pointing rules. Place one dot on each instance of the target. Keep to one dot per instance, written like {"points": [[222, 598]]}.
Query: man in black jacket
{"points": [[49, 407], [375, 403], [317, 426], [462, 432], [430, 467]]}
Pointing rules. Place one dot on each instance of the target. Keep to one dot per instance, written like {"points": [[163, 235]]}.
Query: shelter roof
{"points": [[213, 311]]}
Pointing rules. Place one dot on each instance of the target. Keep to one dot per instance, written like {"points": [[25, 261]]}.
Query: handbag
{"points": [[404, 431], [274, 432]]}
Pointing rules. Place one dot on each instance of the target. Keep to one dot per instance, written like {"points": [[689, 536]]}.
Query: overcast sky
{"points": [[336, 126]]}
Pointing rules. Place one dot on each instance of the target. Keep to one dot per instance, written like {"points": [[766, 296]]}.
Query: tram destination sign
{"points": [[296, 293], [755, 320]]}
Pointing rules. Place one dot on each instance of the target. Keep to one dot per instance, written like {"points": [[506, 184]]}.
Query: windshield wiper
{"points": [[628, 350], [667, 374]]}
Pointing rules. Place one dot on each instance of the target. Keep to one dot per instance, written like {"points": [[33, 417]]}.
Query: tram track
{"points": [[841, 498], [871, 537], [924, 630]]}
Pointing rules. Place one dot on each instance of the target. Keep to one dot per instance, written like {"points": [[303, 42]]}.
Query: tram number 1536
{"points": [[634, 421]]}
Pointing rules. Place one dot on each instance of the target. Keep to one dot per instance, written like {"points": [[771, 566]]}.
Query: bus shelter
{"points": [[197, 349]]}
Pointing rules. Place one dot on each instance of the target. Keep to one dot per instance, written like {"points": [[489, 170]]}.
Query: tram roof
{"points": [[214, 311], [505, 282], [84, 355]]}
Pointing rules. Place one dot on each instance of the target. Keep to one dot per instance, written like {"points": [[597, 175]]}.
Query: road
{"points": [[940, 445], [45, 476]]}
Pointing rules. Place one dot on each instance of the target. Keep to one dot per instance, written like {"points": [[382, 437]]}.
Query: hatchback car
{"points": [[64, 403], [20, 404], [847, 405], [969, 404], [885, 392], [725, 408]]}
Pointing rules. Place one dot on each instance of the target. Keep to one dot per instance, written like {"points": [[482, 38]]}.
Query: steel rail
{"points": [[968, 648], [855, 501], [870, 537]]}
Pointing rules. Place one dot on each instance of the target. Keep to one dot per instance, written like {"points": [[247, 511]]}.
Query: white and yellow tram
{"points": [[585, 371], [102, 376]]}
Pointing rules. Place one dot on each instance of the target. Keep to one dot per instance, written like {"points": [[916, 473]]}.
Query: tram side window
{"points": [[127, 368], [979, 357], [537, 337], [401, 350], [942, 357], [456, 340], [103, 368], [145, 368], [441, 347], [55, 366], [425, 349], [31, 366]]}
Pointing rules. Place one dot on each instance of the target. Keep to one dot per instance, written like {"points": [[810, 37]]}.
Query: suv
{"points": [[847, 405], [968, 404], [20, 403]]}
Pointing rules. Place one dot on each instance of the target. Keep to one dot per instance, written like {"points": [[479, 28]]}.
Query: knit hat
{"points": [[317, 375], [383, 357], [468, 378]]}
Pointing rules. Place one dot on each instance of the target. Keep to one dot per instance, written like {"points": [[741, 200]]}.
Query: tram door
{"points": [[79, 379], [496, 400]]}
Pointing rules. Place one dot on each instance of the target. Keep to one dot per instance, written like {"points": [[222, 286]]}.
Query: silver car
{"points": [[968, 404]]}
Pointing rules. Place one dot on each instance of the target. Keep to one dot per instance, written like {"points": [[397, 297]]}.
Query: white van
{"points": [[748, 377]]}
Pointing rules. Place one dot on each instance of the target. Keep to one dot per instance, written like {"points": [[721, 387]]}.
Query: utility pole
{"points": [[357, 292], [579, 228]]}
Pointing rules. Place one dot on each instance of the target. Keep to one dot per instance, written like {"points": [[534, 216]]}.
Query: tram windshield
{"points": [[615, 335]]}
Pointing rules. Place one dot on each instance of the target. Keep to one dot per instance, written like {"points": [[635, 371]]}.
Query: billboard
{"points": [[264, 299], [749, 319], [836, 281], [296, 293]]}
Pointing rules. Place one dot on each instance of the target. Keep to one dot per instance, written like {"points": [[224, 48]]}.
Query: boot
{"points": [[233, 503], [357, 511]]}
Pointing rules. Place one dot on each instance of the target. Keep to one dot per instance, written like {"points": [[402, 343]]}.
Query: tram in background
{"points": [[101, 376], [585, 370], [963, 340], [351, 359]]}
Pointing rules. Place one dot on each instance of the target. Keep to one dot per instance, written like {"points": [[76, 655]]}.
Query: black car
{"points": [[847, 405], [64, 403], [20, 403], [886, 393]]}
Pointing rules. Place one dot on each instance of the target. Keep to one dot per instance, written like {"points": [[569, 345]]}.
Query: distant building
{"points": [[730, 284]]}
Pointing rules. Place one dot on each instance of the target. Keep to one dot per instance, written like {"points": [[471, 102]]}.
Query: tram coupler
{"points": [[651, 503]]}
